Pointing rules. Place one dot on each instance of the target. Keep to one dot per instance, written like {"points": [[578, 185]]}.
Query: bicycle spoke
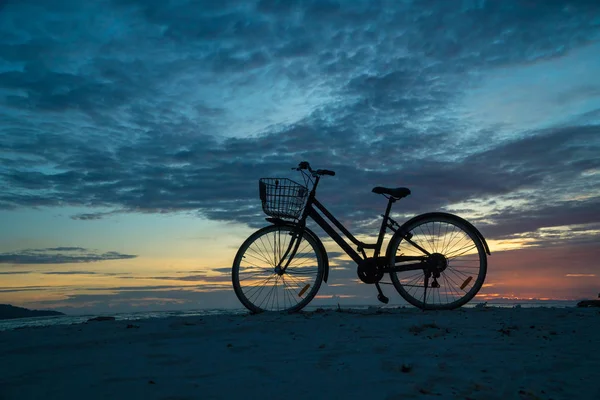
{"points": [[456, 271], [452, 280], [270, 292], [286, 292], [445, 238], [432, 241], [426, 239], [251, 276], [452, 238], [267, 253], [277, 295], [252, 252], [258, 289], [297, 281], [263, 251], [451, 287], [447, 286], [471, 247]]}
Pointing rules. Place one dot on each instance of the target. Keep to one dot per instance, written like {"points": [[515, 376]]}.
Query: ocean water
{"points": [[16, 323], [20, 323]]}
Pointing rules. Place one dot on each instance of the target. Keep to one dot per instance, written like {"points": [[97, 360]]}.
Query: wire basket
{"points": [[282, 197]]}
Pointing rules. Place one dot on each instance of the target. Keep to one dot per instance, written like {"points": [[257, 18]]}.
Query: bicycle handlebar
{"points": [[306, 165], [326, 172]]}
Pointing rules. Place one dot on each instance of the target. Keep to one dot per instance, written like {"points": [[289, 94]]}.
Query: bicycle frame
{"points": [[388, 222], [315, 216]]}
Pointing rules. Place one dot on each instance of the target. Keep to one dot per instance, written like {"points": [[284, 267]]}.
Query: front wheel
{"points": [[260, 282], [454, 266]]}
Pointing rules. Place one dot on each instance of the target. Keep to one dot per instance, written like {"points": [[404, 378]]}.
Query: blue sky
{"points": [[133, 133]]}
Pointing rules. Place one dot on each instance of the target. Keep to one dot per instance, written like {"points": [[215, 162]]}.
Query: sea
{"points": [[20, 323]]}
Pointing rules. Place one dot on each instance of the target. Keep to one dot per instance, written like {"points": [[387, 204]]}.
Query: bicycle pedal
{"points": [[383, 299]]}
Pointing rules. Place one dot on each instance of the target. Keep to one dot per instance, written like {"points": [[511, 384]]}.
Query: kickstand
{"points": [[381, 297]]}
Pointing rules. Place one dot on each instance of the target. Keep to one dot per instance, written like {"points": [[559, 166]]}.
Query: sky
{"points": [[133, 134]]}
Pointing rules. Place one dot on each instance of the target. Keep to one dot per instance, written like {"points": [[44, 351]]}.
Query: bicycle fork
{"points": [[291, 250]]}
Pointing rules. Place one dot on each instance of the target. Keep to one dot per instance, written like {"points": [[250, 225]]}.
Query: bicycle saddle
{"points": [[398, 193]]}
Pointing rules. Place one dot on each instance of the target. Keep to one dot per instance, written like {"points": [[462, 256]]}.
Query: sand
{"points": [[489, 353]]}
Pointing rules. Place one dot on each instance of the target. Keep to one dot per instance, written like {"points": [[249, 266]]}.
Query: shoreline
{"points": [[67, 319]]}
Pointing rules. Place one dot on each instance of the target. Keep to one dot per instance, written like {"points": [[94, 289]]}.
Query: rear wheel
{"points": [[261, 286], [456, 262]]}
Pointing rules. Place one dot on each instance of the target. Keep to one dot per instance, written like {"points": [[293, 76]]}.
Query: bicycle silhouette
{"points": [[435, 260]]}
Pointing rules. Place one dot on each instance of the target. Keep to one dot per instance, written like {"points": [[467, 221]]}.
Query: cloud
{"points": [[16, 272], [61, 255], [92, 216], [71, 273], [64, 249], [26, 289], [184, 105], [206, 279]]}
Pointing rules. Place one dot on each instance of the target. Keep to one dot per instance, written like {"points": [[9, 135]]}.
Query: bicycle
{"points": [[433, 255]]}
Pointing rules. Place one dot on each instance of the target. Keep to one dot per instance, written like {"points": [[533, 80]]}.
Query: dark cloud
{"points": [[92, 216], [184, 105], [189, 278], [15, 272], [511, 223], [64, 249], [71, 273], [26, 289], [61, 255]]}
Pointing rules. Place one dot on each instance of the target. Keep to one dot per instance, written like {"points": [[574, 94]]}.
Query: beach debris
{"points": [[151, 382], [504, 331], [423, 390], [416, 329], [229, 345], [99, 319], [131, 326], [481, 305], [406, 368], [507, 330], [528, 395]]}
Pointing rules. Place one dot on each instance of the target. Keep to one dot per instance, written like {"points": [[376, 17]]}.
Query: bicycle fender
{"points": [[442, 214], [277, 221]]}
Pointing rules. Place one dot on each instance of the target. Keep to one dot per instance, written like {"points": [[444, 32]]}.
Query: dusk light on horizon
{"points": [[133, 134]]}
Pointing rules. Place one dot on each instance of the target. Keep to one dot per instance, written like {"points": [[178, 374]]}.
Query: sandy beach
{"points": [[489, 353]]}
